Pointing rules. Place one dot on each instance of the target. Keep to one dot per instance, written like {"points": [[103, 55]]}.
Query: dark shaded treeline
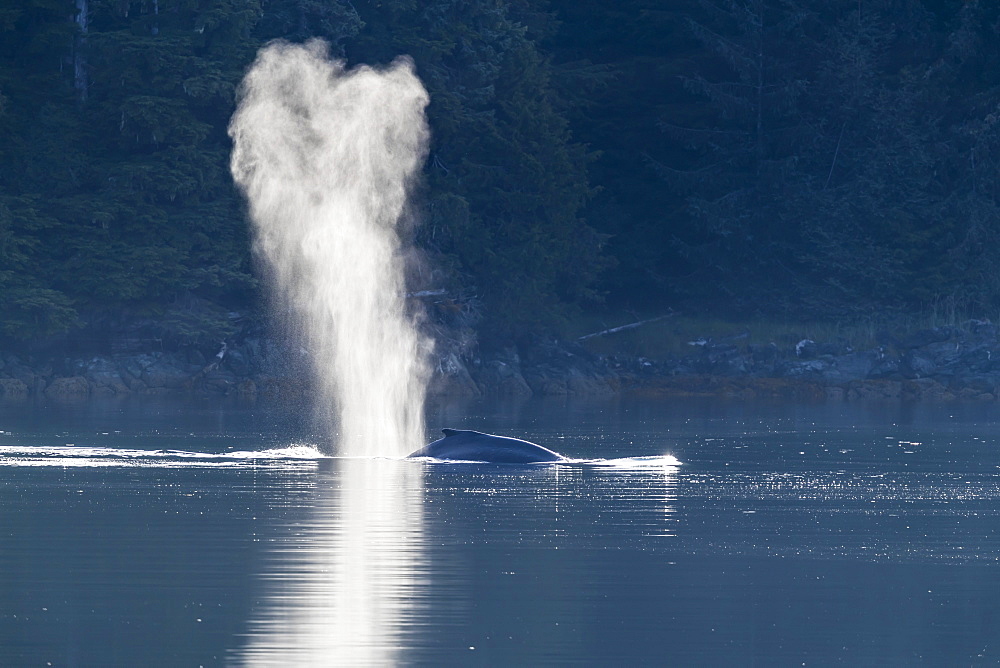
{"points": [[735, 156]]}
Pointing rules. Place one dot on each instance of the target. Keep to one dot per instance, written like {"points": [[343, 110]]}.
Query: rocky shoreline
{"points": [[936, 364]]}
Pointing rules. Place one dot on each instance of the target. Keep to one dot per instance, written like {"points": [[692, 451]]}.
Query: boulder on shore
{"points": [[12, 387], [74, 387]]}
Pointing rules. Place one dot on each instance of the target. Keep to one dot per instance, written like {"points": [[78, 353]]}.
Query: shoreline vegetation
{"points": [[583, 155], [658, 356]]}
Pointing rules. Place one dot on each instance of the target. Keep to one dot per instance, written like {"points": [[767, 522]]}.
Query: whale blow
{"points": [[474, 446], [327, 158]]}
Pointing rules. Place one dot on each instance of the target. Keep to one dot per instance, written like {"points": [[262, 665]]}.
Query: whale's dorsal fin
{"points": [[451, 432]]}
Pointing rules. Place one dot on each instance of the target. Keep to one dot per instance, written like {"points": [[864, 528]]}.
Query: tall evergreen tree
{"points": [[873, 238], [621, 65], [37, 114], [505, 180], [748, 144], [970, 114], [129, 180]]}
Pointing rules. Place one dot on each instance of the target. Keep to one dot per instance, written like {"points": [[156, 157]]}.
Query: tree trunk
{"points": [[80, 82]]}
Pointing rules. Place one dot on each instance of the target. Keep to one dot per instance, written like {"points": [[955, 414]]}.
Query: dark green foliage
{"points": [[29, 307], [505, 180], [756, 155], [123, 197], [621, 65], [126, 164], [805, 156], [747, 140]]}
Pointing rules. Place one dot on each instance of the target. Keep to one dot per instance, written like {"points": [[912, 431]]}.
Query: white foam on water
{"points": [[651, 462], [87, 456]]}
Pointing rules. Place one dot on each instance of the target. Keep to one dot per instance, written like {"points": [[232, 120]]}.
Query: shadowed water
{"points": [[136, 533]]}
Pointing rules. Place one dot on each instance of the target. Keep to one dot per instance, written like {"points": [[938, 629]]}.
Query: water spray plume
{"points": [[326, 158]]}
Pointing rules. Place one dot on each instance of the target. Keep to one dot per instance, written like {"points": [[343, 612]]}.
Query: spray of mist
{"points": [[326, 157]]}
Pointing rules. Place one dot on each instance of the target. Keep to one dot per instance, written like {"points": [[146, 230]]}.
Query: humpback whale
{"points": [[474, 446]]}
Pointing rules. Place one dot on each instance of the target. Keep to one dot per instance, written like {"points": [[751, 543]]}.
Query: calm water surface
{"points": [[178, 534]]}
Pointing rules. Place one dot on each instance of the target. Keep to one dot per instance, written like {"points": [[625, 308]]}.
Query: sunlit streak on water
{"points": [[572, 503], [899, 516]]}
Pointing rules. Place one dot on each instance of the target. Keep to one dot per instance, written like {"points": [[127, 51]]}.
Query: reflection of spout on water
{"points": [[340, 586]]}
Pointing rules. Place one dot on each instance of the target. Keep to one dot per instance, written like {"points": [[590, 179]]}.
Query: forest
{"points": [[725, 157]]}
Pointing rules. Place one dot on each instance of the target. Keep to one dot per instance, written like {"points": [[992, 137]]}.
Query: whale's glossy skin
{"points": [[474, 446]]}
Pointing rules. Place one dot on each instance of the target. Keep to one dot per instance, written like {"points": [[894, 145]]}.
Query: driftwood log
{"points": [[622, 328]]}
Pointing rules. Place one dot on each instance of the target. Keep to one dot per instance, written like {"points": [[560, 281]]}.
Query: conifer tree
{"points": [[748, 145], [505, 180]]}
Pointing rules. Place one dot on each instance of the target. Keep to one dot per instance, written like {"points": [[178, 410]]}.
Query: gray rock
{"points": [[219, 381], [13, 387], [22, 372], [982, 330], [132, 383], [942, 354], [159, 392], [551, 382], [104, 376], [921, 366], [852, 365], [237, 362], [108, 382], [835, 393], [885, 367], [195, 358], [765, 355], [168, 372], [926, 389], [724, 360], [874, 389], [806, 349], [925, 337], [451, 378], [804, 369], [547, 385], [585, 385], [501, 378], [74, 387]]}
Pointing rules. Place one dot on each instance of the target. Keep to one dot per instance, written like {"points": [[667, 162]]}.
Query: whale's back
{"points": [[474, 446]]}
